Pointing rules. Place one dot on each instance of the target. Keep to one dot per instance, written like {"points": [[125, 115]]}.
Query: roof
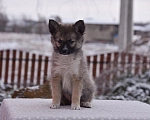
{"points": [[91, 21]]}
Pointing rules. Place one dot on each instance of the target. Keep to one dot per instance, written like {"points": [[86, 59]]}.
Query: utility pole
{"points": [[1, 6], [126, 25]]}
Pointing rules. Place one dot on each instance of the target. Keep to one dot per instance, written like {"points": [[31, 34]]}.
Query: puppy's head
{"points": [[66, 39]]}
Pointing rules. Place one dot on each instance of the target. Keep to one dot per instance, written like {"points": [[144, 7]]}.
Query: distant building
{"points": [[40, 27], [104, 32], [99, 31], [142, 29], [95, 31], [27, 26], [108, 32]]}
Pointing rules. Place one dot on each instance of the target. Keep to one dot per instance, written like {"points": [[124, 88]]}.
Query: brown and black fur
{"points": [[70, 82]]}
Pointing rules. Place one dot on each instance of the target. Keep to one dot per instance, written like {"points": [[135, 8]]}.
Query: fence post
{"points": [[39, 69], [26, 69], [1, 63], [101, 62], [94, 65], [13, 66], [45, 68], [32, 68], [7, 66]]}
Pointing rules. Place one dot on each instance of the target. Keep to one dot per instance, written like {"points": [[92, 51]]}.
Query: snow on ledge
{"points": [[37, 109]]}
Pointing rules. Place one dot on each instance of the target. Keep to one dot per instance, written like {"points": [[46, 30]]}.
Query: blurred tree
{"points": [[26, 24], [3, 18], [3, 22], [14, 25], [41, 26]]}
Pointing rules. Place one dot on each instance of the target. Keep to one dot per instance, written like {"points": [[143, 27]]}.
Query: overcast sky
{"points": [[99, 10]]}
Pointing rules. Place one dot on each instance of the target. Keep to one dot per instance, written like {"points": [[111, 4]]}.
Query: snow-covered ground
{"points": [[41, 44], [141, 45]]}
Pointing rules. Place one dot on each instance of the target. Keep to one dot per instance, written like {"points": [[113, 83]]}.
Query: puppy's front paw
{"points": [[75, 107], [54, 106]]}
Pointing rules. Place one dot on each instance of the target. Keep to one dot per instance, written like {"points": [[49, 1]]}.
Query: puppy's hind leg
{"points": [[86, 104], [86, 98]]}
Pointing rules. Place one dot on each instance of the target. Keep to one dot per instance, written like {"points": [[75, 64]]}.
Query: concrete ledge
{"points": [[38, 109]]}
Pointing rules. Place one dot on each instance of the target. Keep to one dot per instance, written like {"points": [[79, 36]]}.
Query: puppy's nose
{"points": [[65, 51]]}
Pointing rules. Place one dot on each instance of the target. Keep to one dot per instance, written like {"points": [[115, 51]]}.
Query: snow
{"points": [[35, 109], [33, 88], [41, 44], [141, 45], [145, 28], [131, 88], [5, 91], [138, 28], [92, 21]]}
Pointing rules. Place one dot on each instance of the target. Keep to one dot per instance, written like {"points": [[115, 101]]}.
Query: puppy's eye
{"points": [[59, 41], [71, 42]]}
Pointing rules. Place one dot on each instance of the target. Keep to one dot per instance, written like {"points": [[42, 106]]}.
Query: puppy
{"points": [[70, 82]]}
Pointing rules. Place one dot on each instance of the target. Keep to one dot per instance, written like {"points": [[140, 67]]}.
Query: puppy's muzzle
{"points": [[64, 51]]}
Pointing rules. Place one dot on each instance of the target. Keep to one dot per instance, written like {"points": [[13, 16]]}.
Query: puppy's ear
{"points": [[53, 26], [79, 27]]}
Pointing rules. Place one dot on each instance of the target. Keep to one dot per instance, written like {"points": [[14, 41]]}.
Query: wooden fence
{"points": [[22, 69]]}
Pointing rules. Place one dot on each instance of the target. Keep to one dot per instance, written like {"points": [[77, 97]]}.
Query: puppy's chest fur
{"points": [[66, 67]]}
